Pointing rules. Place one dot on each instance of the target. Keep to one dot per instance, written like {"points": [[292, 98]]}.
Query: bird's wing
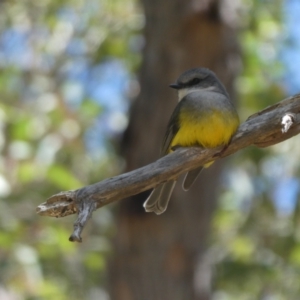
{"points": [[173, 125], [172, 129]]}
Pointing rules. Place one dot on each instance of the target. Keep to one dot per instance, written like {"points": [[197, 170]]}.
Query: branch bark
{"points": [[268, 127]]}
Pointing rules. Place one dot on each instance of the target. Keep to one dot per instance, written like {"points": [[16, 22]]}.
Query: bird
{"points": [[204, 117]]}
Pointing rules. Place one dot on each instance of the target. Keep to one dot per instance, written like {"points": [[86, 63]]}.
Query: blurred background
{"points": [[84, 96]]}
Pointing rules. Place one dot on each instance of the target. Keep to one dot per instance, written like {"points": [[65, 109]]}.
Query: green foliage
{"points": [[42, 142], [256, 243], [260, 40], [255, 249]]}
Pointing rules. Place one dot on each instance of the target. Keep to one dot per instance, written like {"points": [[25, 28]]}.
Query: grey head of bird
{"points": [[197, 79]]}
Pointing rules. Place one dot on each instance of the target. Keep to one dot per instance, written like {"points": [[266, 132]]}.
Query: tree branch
{"points": [[270, 126]]}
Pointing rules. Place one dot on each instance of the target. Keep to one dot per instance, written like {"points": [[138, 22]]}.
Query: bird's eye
{"points": [[195, 81]]}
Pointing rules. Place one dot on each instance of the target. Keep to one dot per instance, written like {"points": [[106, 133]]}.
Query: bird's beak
{"points": [[174, 86]]}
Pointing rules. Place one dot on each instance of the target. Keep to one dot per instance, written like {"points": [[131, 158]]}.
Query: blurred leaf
{"points": [[62, 177], [90, 109]]}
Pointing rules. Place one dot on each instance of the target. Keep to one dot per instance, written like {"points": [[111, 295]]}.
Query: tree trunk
{"points": [[163, 257]]}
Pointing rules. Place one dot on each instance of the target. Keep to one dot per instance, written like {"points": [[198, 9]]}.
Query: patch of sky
{"points": [[76, 47], [290, 53], [285, 195], [107, 85], [69, 15], [282, 186], [80, 16], [15, 49]]}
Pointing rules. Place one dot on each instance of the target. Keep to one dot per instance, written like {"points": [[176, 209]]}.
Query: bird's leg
{"points": [[174, 148]]}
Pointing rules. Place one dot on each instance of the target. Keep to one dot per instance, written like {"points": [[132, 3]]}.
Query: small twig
{"points": [[86, 208], [270, 126]]}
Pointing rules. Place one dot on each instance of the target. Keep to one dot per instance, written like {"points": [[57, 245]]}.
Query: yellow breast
{"points": [[209, 131]]}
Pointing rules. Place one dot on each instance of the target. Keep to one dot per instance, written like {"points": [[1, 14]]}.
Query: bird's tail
{"points": [[159, 198], [192, 175], [190, 178]]}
